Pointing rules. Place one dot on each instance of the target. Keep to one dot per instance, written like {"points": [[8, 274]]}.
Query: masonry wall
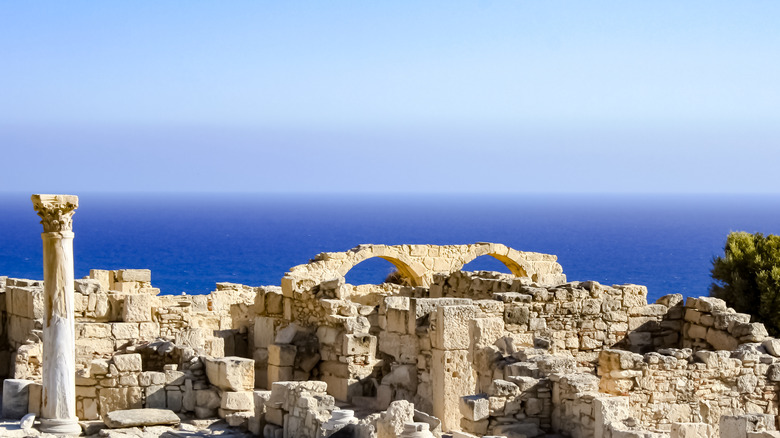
{"points": [[118, 316]]}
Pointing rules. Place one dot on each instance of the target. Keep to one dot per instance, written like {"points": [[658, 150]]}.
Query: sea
{"points": [[192, 241]]}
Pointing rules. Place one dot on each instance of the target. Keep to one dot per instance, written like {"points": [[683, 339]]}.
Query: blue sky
{"points": [[483, 96]]}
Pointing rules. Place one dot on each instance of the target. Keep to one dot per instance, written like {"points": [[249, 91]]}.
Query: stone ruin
{"points": [[444, 353]]}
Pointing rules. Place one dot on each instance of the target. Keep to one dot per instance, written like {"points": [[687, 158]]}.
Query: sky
{"points": [[429, 96]]}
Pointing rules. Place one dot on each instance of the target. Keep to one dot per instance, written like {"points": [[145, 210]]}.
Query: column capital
{"points": [[56, 211]]}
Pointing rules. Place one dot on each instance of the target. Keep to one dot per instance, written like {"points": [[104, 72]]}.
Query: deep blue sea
{"points": [[190, 242]]}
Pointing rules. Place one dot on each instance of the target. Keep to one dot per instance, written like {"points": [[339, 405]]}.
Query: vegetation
{"points": [[747, 277]]}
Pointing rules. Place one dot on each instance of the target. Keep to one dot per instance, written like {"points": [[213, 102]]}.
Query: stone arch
{"points": [[512, 259], [409, 268]]}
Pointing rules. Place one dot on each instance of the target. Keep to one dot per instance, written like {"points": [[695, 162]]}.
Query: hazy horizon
{"points": [[440, 97]]}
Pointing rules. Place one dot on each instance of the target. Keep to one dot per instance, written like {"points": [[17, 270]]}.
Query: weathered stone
{"points": [[231, 373], [137, 308], [238, 401], [128, 362], [141, 418], [474, 407]]}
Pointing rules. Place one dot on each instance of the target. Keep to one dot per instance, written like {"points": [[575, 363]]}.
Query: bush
{"points": [[747, 277]]}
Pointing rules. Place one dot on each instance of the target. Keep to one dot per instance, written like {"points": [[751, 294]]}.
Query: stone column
{"points": [[58, 410]]}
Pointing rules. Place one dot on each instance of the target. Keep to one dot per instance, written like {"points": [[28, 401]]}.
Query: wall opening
{"points": [[374, 270], [486, 263]]}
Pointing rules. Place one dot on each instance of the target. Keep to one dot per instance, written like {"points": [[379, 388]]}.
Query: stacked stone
{"points": [[710, 325], [683, 386], [24, 310], [297, 409], [93, 302], [120, 383], [23, 324], [125, 281], [234, 377], [101, 340], [475, 285], [396, 341], [579, 317], [348, 354]]}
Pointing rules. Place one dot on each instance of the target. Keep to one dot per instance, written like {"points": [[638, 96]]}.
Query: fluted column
{"points": [[58, 408]]}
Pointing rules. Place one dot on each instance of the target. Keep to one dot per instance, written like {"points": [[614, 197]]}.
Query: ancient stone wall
{"points": [[166, 336], [702, 383], [485, 353]]}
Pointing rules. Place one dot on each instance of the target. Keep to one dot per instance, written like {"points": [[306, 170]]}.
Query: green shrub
{"points": [[747, 277]]}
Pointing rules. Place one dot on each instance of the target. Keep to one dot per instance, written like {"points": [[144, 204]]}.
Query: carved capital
{"points": [[56, 211]]}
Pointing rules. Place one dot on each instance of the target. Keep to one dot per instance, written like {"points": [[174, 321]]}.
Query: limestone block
{"points": [[16, 398], [451, 330], [100, 278], [282, 355], [286, 334], [155, 396], [125, 330], [690, 430], [342, 389], [279, 374], [697, 331], [94, 330], [453, 377], [148, 378], [714, 359], [231, 373], [188, 396], [173, 398], [207, 398], [397, 320], [748, 332], [739, 426], [724, 320], [238, 401], [130, 379], [721, 340], [265, 331], [140, 275], [486, 331], [257, 423], [710, 304], [474, 407], [126, 287], [274, 416], [149, 330], [128, 362], [274, 303], [536, 324], [141, 418], [608, 410], [116, 399], [90, 409], [358, 344], [174, 377], [138, 308]]}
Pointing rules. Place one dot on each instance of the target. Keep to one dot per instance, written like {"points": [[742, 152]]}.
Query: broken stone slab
{"points": [[141, 418]]}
